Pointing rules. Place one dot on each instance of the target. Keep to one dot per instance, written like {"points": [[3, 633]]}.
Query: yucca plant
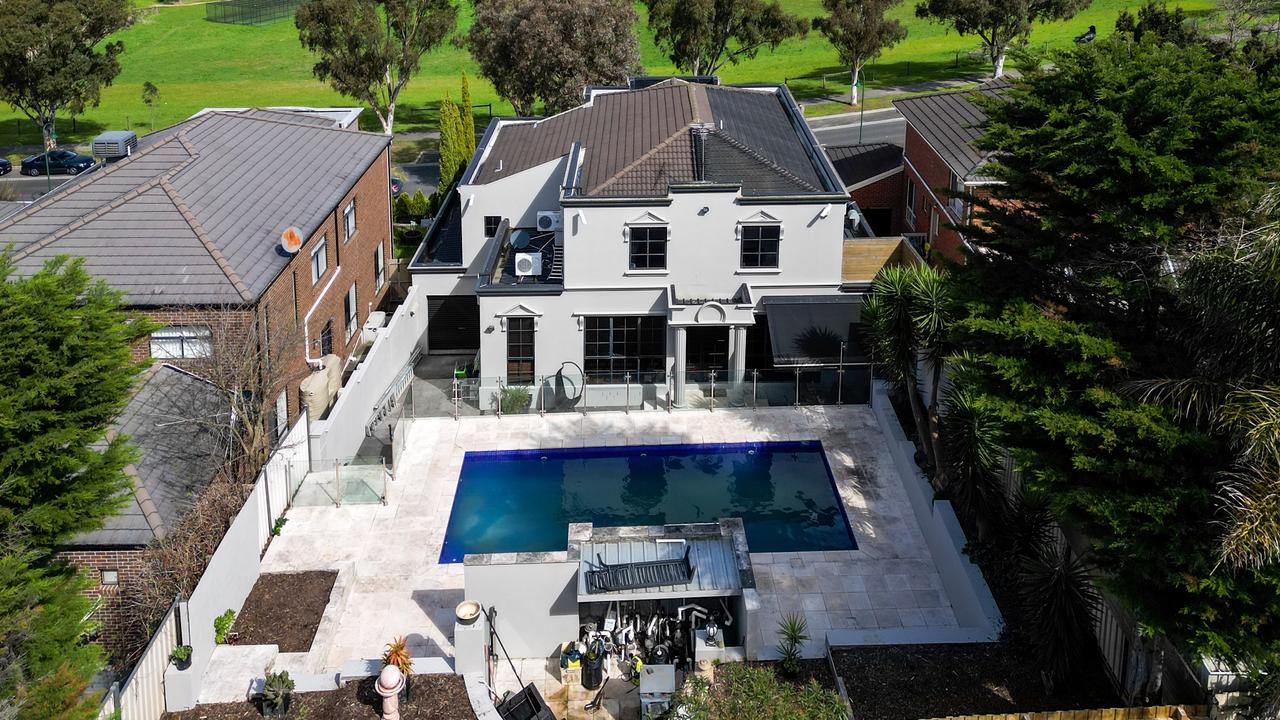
{"points": [[793, 632], [276, 693], [973, 448], [1059, 603]]}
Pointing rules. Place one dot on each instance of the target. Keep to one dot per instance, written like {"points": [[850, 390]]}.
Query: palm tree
{"points": [[1229, 291], [909, 312], [972, 441]]}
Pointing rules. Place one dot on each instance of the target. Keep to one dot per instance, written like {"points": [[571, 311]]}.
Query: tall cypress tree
{"points": [[452, 144], [66, 371], [468, 118]]}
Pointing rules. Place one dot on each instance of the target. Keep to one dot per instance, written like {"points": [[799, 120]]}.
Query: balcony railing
{"points": [[833, 384]]}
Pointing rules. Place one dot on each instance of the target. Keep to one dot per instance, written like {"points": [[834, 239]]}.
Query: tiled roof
{"points": [[170, 420], [857, 163], [637, 142], [195, 216], [951, 123]]}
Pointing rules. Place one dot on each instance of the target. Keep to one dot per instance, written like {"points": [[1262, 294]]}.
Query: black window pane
{"points": [[491, 223], [648, 248], [760, 246], [622, 347]]}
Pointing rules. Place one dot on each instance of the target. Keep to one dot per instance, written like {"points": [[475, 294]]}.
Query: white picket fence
{"points": [[230, 573]]}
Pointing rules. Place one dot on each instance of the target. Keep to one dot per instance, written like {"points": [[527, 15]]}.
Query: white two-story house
{"points": [[641, 243]]}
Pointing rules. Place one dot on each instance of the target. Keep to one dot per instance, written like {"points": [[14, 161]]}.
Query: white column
{"points": [[738, 336], [678, 398]]}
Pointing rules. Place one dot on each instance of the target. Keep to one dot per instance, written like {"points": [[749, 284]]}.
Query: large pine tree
{"points": [[66, 371]]}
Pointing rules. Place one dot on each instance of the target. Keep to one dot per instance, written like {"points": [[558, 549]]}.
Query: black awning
{"points": [[808, 329]]}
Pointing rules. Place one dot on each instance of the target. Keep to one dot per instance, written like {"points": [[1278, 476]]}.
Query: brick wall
{"points": [[283, 307], [886, 193], [109, 615], [283, 317], [929, 172]]}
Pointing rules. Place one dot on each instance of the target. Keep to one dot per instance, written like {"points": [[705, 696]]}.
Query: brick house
{"points": [[872, 174], [171, 419], [189, 229], [940, 161]]}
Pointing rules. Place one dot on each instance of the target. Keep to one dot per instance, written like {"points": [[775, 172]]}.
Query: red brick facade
{"points": [[110, 616], [283, 307], [931, 178], [883, 194]]}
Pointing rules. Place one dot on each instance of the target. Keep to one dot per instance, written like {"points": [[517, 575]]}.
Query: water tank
{"points": [[115, 144]]}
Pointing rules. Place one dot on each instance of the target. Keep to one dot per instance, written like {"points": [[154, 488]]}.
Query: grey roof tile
{"points": [[951, 123], [170, 419], [195, 216], [636, 142], [856, 163]]}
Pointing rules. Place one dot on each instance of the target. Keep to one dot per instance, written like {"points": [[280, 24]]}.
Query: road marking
{"points": [[854, 125], [851, 113]]}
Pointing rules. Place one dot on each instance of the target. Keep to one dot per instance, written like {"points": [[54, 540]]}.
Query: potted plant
{"points": [[397, 653], [277, 693], [181, 657]]}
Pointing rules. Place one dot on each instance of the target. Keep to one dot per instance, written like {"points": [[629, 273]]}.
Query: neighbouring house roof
{"points": [[171, 420], [8, 208], [442, 245], [858, 163], [636, 143], [952, 123], [194, 217]]}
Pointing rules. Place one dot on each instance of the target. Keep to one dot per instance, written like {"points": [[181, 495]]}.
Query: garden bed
{"points": [[284, 609], [818, 671], [434, 697], [910, 682]]}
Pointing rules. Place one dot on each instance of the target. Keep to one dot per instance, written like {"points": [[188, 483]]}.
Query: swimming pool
{"points": [[524, 500]]}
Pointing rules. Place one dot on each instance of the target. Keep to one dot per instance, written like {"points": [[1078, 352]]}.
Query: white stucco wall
{"points": [[537, 603]]}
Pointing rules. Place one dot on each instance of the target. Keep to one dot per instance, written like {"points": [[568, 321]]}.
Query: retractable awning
{"points": [[808, 329]]}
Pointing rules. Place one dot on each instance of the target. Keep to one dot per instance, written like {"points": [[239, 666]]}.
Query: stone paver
{"points": [[398, 587]]}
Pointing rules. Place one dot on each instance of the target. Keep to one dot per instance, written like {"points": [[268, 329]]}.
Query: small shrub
{"points": [[277, 688], [793, 630], [403, 208], [222, 626], [180, 654], [278, 526], [514, 399], [419, 206], [397, 653], [745, 691]]}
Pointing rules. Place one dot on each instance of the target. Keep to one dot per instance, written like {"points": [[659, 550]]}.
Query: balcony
{"points": [[864, 258], [522, 261]]}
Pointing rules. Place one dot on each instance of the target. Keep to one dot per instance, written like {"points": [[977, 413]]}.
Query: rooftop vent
{"points": [[115, 144]]}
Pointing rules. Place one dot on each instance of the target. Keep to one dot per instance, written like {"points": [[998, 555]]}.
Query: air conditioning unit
{"points": [[528, 264], [549, 220], [115, 144]]}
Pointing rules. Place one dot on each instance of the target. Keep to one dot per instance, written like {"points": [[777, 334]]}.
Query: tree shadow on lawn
{"points": [[20, 132]]}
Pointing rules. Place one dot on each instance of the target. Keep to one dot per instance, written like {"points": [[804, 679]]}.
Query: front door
{"points": [[707, 349]]}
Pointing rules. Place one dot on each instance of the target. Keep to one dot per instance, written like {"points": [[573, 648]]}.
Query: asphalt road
{"points": [[30, 188], [875, 126]]}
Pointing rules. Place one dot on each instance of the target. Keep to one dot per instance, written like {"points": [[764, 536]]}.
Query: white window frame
{"points": [[193, 342], [320, 267], [379, 268], [350, 312], [349, 226], [764, 269], [956, 201]]}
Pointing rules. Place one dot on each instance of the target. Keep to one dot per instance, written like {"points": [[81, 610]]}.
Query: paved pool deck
{"points": [[398, 588]]}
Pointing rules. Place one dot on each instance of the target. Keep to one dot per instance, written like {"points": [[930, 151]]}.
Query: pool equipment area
{"points": [[523, 501]]}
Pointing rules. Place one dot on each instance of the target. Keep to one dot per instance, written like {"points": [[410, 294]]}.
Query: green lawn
{"points": [[198, 64]]}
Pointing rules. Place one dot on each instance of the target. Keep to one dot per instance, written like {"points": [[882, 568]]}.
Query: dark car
{"points": [[6, 167], [396, 186], [63, 161]]}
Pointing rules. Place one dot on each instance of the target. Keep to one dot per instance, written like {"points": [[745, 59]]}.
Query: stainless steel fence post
{"points": [[584, 393], [542, 403], [840, 377], [457, 398], [797, 387], [498, 412], [626, 400], [712, 404], [670, 391], [755, 380]]}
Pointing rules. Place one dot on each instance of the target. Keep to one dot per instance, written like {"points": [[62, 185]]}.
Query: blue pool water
{"points": [[524, 500]]}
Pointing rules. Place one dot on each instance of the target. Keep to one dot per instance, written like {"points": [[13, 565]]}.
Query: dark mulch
{"points": [[818, 671], [433, 697], [910, 682], [284, 609]]}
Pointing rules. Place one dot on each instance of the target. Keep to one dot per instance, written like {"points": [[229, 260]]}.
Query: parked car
{"points": [[396, 185], [6, 167], [59, 161]]}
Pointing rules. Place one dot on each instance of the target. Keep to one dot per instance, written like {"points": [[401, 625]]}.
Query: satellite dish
{"points": [[291, 240]]}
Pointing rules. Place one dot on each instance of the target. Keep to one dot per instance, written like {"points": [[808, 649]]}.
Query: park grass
{"points": [[196, 64]]}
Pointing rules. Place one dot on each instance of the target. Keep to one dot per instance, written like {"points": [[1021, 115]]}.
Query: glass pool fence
{"points": [[571, 391]]}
